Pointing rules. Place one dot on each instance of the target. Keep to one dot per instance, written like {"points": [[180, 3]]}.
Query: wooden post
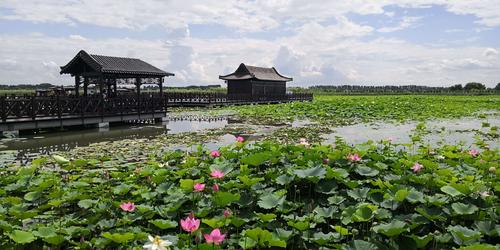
{"points": [[77, 85], [138, 84], [4, 108], [85, 85], [114, 86]]}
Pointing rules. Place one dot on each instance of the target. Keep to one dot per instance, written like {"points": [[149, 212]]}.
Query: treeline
{"points": [[469, 88]]}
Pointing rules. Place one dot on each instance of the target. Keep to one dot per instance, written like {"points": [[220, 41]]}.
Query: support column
{"points": [[101, 87], [77, 85], [161, 86], [108, 83], [85, 85], [114, 86]]}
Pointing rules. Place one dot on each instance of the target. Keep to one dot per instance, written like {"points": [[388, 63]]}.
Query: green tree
{"points": [[456, 87], [474, 86], [497, 87]]}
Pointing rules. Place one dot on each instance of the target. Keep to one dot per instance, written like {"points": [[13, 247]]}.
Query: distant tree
{"points": [[497, 87], [456, 87], [474, 86]]}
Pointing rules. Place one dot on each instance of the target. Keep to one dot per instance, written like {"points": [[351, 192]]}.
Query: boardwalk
{"points": [[32, 112]]}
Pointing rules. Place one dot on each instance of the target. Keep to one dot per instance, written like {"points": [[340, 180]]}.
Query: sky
{"points": [[370, 42]]}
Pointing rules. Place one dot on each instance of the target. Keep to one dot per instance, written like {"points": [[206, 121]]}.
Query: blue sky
{"points": [[435, 43]]}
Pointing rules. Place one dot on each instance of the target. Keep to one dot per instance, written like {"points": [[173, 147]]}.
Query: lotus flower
{"points": [[157, 243], [227, 213], [353, 157], [485, 194], [473, 152], [326, 161], [440, 157], [216, 187], [214, 237], [217, 174], [190, 224], [417, 167], [215, 154], [128, 207], [198, 187], [240, 139], [492, 169]]}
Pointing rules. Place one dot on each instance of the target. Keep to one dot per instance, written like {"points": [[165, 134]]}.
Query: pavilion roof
{"points": [[112, 65], [245, 72]]}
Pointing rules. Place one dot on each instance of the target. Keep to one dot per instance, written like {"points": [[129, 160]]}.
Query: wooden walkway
{"points": [[31, 112]]}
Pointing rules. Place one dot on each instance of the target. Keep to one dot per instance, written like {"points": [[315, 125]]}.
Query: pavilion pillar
{"points": [[138, 85], [77, 85], [85, 85], [101, 83], [114, 86], [108, 83], [161, 85]]}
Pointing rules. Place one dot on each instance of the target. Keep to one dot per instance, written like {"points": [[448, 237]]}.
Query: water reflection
{"points": [[28, 146], [441, 132]]}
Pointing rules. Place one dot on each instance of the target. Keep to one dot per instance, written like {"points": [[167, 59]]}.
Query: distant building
{"points": [[256, 81]]}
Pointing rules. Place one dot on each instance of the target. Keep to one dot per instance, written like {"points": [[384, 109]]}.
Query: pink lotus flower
{"points": [[198, 187], [353, 157], [473, 152], [190, 224], [417, 167], [215, 154], [214, 237], [485, 194], [128, 207], [240, 139], [227, 213], [217, 174], [326, 161], [216, 187]]}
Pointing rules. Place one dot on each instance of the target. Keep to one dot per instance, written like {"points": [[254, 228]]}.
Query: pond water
{"points": [[447, 131], [26, 147]]}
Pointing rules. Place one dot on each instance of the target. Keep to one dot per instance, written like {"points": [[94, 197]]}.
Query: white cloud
{"points": [[408, 21]]}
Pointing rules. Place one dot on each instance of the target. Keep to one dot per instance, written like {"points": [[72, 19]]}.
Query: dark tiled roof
{"points": [[245, 72], [115, 65]]}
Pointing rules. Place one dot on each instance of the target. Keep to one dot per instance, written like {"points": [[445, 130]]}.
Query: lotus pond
{"points": [[296, 184]]}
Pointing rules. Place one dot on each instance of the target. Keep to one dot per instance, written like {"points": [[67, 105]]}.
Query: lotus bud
{"points": [[492, 170]]}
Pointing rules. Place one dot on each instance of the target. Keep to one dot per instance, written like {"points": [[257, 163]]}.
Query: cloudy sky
{"points": [[376, 42]]}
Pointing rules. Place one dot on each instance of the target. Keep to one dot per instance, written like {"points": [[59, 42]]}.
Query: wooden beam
{"points": [[85, 85], [77, 85]]}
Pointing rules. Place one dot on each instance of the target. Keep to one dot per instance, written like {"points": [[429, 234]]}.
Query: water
{"points": [[440, 132], [27, 147]]}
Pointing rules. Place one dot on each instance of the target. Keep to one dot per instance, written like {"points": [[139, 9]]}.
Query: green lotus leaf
{"points": [[60, 160], [32, 196], [461, 208], [259, 235], [284, 179], [401, 195], [322, 238], [324, 212], [187, 184], [225, 198], [119, 238], [214, 222], [360, 245], [451, 191], [359, 193], [463, 235], [247, 243], [422, 241], [257, 159], [326, 186], [268, 201], [87, 203], [299, 225], [362, 213], [366, 171], [337, 173], [341, 230], [336, 200], [22, 237], [318, 172], [45, 232], [283, 234], [391, 229], [479, 247], [164, 224], [247, 181], [415, 196], [266, 217]]}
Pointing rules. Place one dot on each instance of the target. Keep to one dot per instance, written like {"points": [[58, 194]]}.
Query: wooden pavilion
{"points": [[106, 72], [256, 81]]}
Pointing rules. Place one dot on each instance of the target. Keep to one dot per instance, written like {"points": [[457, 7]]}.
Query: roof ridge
{"points": [[121, 57]]}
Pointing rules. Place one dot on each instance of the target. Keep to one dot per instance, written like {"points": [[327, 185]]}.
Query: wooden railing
{"points": [[36, 107]]}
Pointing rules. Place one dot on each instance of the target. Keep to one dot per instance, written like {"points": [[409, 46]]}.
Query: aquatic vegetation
{"points": [[264, 195], [344, 110]]}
